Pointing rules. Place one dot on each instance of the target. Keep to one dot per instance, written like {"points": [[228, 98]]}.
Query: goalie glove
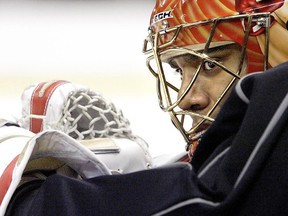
{"points": [[86, 116]]}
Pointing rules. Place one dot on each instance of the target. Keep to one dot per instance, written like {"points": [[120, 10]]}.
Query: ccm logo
{"points": [[162, 16]]}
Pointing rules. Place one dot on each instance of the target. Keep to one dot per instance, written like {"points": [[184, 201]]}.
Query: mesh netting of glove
{"points": [[88, 115], [76, 110]]}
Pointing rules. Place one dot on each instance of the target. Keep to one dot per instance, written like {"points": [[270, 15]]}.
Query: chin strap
{"points": [[192, 146]]}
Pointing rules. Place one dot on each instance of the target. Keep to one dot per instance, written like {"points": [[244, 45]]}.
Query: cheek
{"points": [[218, 84], [216, 95], [223, 88]]}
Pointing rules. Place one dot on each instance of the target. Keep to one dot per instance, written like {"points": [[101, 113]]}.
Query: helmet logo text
{"points": [[161, 16]]}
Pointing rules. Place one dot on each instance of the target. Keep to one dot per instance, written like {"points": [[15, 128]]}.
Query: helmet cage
{"points": [[160, 47]]}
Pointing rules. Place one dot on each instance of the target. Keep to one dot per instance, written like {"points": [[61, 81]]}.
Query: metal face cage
{"points": [[164, 45]]}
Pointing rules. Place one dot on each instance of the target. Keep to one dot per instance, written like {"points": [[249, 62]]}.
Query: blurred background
{"points": [[97, 43]]}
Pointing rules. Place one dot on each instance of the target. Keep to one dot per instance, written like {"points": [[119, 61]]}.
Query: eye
{"points": [[209, 65], [179, 71]]}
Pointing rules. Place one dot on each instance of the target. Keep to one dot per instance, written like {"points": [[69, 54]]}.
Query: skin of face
{"points": [[211, 81]]}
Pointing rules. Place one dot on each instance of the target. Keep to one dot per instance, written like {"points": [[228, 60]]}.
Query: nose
{"points": [[197, 97]]}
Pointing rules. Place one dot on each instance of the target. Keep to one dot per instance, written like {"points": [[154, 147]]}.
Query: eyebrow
{"points": [[212, 51]]}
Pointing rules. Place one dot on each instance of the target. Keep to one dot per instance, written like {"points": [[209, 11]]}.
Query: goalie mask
{"points": [[198, 49]]}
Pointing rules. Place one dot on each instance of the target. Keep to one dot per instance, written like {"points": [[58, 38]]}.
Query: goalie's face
{"points": [[193, 84], [205, 85]]}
